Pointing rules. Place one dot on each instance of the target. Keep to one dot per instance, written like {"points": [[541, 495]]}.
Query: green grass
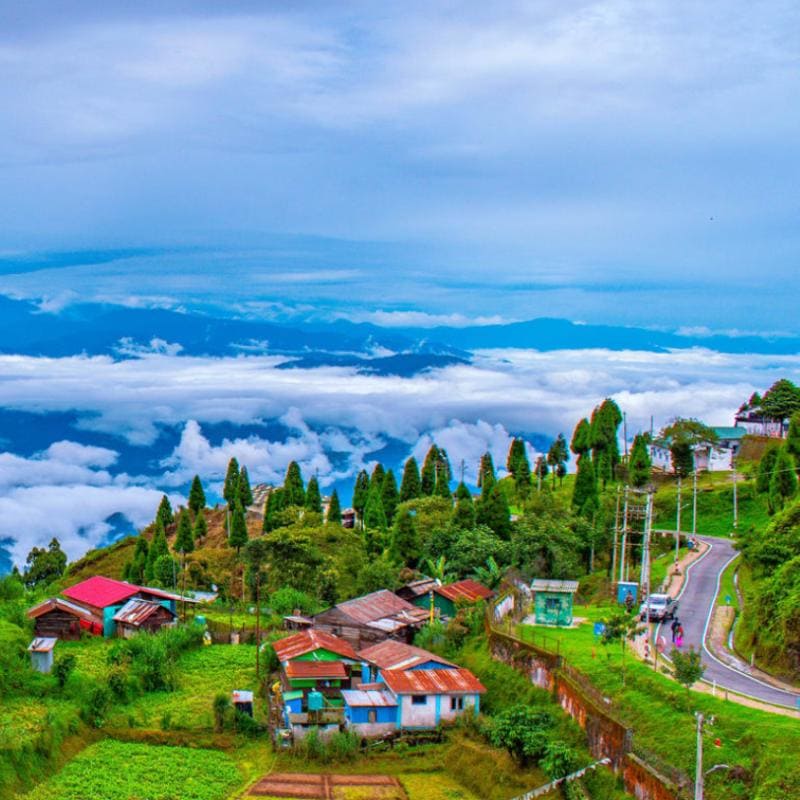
{"points": [[727, 588], [111, 770], [662, 717]]}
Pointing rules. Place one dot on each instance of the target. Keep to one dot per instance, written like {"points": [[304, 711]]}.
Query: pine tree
{"points": [[374, 512], [464, 511], [442, 488], [428, 477], [243, 490], [518, 465], [276, 502], [640, 466], [158, 547], [493, 512], [238, 536], [334, 516], [197, 497], [376, 479], [405, 540], [486, 476], [606, 419], [783, 482], [231, 486], [584, 493], [557, 457], [581, 438], [184, 541], [410, 487], [293, 486], [540, 470], [313, 498], [360, 494], [200, 529], [793, 439], [137, 566], [164, 513], [390, 497], [765, 467]]}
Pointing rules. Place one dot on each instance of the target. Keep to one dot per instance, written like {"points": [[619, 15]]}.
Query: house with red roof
{"points": [[447, 598]]}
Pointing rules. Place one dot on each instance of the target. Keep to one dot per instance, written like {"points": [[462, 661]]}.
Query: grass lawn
{"points": [[111, 770], [203, 674], [661, 715], [434, 786]]}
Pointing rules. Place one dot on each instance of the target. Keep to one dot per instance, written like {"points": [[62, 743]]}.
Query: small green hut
{"points": [[553, 601]]}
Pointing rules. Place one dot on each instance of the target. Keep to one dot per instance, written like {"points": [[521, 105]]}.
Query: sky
{"points": [[415, 164]]}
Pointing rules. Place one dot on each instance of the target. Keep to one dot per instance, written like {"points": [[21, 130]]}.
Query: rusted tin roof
{"points": [[62, 605], [390, 654], [308, 641], [418, 587], [136, 612], [432, 681], [316, 670], [464, 590], [367, 698], [549, 585], [377, 606], [42, 644]]}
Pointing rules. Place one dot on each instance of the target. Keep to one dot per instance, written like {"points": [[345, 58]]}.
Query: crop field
{"points": [[111, 770]]}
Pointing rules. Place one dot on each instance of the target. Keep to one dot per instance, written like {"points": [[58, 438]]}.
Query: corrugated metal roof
{"points": [[42, 644], [398, 655], [420, 587], [102, 592], [433, 681], [465, 590], [241, 696], [62, 605], [305, 642], [356, 698], [315, 669], [375, 606], [548, 585], [135, 612]]}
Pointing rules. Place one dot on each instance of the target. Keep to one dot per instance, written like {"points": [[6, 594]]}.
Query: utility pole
{"points": [[623, 549], [698, 778], [735, 499], [616, 538], [644, 577], [678, 523], [694, 503], [625, 433]]}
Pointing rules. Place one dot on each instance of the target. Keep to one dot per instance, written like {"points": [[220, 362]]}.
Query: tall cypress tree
{"points": [[640, 466], [428, 478], [197, 497], [793, 438], [200, 529], [276, 501], [390, 497], [581, 438], [230, 489], [584, 493], [493, 511], [557, 457], [244, 492], [783, 481], [464, 511], [374, 512], [486, 476], [184, 541], [334, 516], [442, 488], [293, 486], [164, 514], [313, 498], [237, 538], [518, 465], [376, 479], [360, 494], [765, 467], [410, 487], [158, 547], [405, 545]]}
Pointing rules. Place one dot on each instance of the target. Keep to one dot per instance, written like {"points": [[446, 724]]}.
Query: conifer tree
{"points": [[793, 438], [230, 489], [410, 487], [374, 512], [184, 540], [376, 479], [557, 457], [640, 466], [518, 465], [276, 502], [164, 513], [486, 476], [783, 482], [293, 486], [334, 516], [442, 488], [200, 529], [243, 490], [238, 536], [428, 477], [584, 493], [405, 546], [464, 511], [540, 470], [390, 497], [158, 548], [493, 511], [197, 497], [137, 566], [581, 438], [606, 419], [313, 498], [765, 467], [360, 494]]}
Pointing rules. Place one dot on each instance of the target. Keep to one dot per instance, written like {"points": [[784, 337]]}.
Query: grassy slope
{"points": [[662, 718]]}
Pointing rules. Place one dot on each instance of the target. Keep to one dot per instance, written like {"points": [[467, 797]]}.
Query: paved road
{"points": [[694, 610]]}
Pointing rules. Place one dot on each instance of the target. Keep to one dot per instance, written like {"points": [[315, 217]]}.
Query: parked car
{"points": [[658, 607]]}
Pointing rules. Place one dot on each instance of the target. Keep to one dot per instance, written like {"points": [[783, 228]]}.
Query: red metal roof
{"points": [[390, 654], [308, 641], [102, 592], [465, 590], [378, 605], [432, 681], [315, 669]]}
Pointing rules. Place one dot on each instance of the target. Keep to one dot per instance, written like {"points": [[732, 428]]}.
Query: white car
{"points": [[657, 608]]}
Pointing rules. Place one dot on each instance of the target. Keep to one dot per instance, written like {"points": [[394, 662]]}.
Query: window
{"points": [[552, 604], [419, 700], [456, 703], [372, 715]]}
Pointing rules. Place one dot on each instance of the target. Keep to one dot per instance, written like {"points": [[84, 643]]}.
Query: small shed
{"points": [[242, 701], [142, 615], [553, 601], [41, 650]]}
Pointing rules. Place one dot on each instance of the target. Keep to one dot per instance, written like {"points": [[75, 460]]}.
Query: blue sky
{"points": [[602, 161]]}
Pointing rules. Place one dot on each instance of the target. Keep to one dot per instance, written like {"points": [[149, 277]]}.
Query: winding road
{"points": [[696, 601]]}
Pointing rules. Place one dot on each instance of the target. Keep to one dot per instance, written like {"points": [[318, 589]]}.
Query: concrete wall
{"points": [[418, 716]]}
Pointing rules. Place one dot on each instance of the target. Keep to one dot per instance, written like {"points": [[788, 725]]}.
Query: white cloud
{"points": [[422, 319]]}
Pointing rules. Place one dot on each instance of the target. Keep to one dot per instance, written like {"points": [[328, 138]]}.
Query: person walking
{"points": [[679, 636], [674, 628]]}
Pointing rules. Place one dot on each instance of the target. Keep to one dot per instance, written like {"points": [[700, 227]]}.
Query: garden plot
{"points": [[328, 787]]}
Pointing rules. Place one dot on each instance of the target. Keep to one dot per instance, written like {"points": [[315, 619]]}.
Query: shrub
{"points": [[63, 668], [96, 706], [287, 599], [220, 706]]}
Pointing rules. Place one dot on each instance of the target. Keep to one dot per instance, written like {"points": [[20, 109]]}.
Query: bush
{"points": [[95, 707], [63, 668], [287, 600]]}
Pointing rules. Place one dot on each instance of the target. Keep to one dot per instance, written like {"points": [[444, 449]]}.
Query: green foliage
{"points": [[493, 511], [688, 667], [765, 467], [63, 667], [428, 476], [361, 492], [581, 438], [184, 540], [559, 759], [584, 494], [523, 731], [406, 547], [620, 627], [158, 548], [197, 497], [390, 497], [783, 480], [793, 438], [410, 487], [221, 706], [313, 498], [378, 573], [374, 512], [44, 565], [469, 550], [244, 493], [200, 528], [164, 571], [230, 489], [293, 559], [681, 436], [334, 516], [95, 706], [276, 503], [464, 511], [288, 600], [781, 400], [164, 513], [486, 474], [558, 456], [238, 535], [640, 466], [295, 494]]}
